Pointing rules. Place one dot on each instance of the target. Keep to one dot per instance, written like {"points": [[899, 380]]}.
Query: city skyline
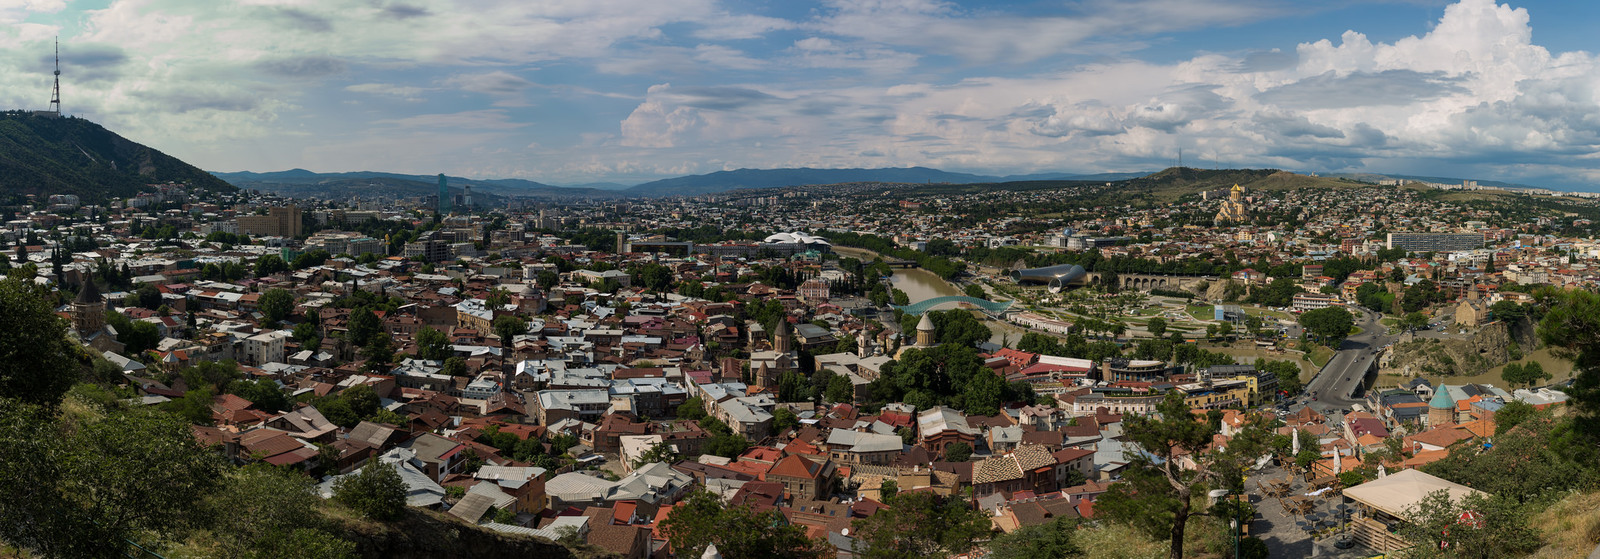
{"points": [[632, 91]]}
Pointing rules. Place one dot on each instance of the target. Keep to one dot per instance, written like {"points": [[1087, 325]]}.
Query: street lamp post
{"points": [[1237, 534]]}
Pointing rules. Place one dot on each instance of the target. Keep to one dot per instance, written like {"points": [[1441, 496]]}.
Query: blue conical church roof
{"points": [[1441, 400]]}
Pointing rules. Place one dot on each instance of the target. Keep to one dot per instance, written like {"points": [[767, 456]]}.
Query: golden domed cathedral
{"points": [[1233, 209]]}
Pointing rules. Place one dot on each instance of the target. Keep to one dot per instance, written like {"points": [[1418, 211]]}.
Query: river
{"points": [[921, 285]]}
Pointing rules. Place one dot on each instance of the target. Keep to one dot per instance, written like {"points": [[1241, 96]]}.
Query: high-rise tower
{"points": [[55, 92], [466, 197], [444, 195]]}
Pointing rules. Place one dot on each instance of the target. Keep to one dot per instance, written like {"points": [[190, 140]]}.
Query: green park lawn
{"points": [[1320, 355]]}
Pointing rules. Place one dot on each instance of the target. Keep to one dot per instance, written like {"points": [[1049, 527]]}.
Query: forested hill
{"points": [[67, 155], [1175, 182]]}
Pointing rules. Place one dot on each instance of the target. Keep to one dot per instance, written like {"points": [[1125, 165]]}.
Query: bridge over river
{"points": [[925, 305]]}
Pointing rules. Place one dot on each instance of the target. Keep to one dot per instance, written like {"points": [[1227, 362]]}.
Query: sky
{"points": [[625, 91]]}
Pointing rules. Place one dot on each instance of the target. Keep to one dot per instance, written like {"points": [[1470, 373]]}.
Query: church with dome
{"points": [[1233, 209]]}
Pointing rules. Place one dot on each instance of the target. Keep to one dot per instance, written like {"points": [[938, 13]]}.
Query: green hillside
{"points": [[1174, 183], [43, 156]]}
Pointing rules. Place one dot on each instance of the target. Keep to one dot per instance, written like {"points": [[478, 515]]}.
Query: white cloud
{"points": [[1473, 90], [403, 92], [14, 11], [852, 83]]}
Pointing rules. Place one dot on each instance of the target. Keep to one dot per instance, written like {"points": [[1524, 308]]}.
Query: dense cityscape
{"points": [[1051, 370], [843, 279]]}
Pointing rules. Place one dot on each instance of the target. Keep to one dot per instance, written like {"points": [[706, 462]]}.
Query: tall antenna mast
{"points": [[55, 93]]}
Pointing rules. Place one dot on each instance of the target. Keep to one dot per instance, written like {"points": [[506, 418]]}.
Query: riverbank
{"points": [[920, 285]]}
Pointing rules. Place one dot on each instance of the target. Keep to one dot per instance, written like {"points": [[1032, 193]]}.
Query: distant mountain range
{"points": [[301, 181], [296, 180], [67, 155]]}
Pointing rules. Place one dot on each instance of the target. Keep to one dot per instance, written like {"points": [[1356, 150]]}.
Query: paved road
{"points": [[1345, 372]]}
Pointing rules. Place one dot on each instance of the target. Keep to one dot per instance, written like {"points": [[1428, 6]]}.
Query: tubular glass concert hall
{"points": [[1055, 277]]}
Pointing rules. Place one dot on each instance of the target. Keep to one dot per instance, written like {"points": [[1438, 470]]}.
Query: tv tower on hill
{"points": [[55, 92]]}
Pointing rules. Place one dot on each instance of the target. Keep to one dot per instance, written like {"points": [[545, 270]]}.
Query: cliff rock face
{"points": [[1490, 346], [1216, 290], [425, 535]]}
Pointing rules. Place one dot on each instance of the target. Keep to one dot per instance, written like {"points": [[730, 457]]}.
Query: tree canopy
{"points": [[1328, 325], [376, 491], [921, 524], [276, 304], [38, 363], [739, 532]]}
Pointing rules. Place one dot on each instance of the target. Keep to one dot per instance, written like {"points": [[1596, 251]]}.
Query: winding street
{"points": [[1343, 378]]}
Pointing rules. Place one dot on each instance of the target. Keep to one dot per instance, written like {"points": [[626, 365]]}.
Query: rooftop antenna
{"points": [[55, 93]]}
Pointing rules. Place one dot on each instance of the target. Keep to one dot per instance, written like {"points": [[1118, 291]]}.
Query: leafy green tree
{"points": [[1512, 414], [888, 489], [148, 296], [454, 366], [1572, 324], [1524, 374], [1330, 325], [784, 419], [1174, 431], [433, 345], [975, 291], [379, 353], [701, 520], [508, 327], [337, 411], [261, 512], [85, 489], [693, 408], [1157, 326], [310, 259], [921, 524], [1548, 457], [1287, 373], [1413, 321], [276, 304], [38, 363], [659, 452], [363, 326], [213, 375], [270, 264], [376, 491], [840, 389], [729, 445], [957, 452], [306, 334], [1504, 529], [1043, 541], [1306, 457], [265, 394], [136, 336], [194, 406], [1507, 311], [363, 399]]}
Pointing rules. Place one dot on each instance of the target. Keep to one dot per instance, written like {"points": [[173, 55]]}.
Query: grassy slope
{"points": [[1171, 184], [1571, 527], [1559, 369]]}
